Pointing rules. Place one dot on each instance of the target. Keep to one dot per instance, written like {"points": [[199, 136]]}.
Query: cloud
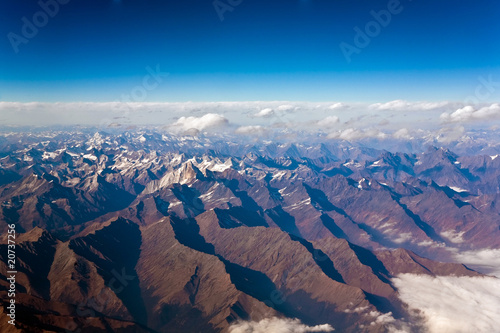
{"points": [[382, 318], [204, 122], [469, 113], [338, 106], [452, 235], [290, 116], [251, 130], [352, 134], [286, 107], [402, 133], [451, 304], [277, 325], [449, 134], [410, 106], [486, 261], [264, 113], [328, 122], [385, 320]]}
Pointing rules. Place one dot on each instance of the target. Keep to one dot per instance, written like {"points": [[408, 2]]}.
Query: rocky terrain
{"points": [[142, 231]]}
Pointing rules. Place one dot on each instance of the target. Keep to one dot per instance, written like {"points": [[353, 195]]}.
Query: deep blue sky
{"points": [[263, 50]]}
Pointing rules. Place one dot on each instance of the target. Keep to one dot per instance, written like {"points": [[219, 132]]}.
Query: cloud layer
{"points": [[486, 261], [204, 122], [470, 113], [451, 304], [433, 122], [277, 325]]}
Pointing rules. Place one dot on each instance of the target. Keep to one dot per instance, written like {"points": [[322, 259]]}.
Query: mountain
{"points": [[148, 232]]}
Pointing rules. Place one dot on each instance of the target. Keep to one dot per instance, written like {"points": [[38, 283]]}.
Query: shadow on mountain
{"points": [[319, 198], [321, 259], [187, 232], [330, 224], [118, 246], [367, 258], [35, 260], [237, 216], [246, 200], [452, 195], [384, 305], [285, 221], [161, 205], [189, 197], [175, 318], [374, 234], [273, 191], [426, 228], [343, 171]]}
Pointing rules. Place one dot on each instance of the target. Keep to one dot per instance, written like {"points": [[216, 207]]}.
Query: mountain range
{"points": [[142, 231]]}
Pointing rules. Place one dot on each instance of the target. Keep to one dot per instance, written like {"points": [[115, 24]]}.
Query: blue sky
{"points": [[262, 50]]}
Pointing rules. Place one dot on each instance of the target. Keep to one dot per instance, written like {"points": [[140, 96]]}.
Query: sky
{"points": [[249, 50]]}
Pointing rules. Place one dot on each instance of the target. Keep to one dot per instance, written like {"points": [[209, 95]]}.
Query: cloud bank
{"points": [[402, 105], [204, 122], [389, 123], [328, 122], [265, 113], [277, 325], [451, 304], [486, 261], [351, 134], [251, 130], [470, 113]]}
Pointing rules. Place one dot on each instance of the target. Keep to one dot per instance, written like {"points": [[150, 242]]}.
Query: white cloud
{"points": [[410, 106], [337, 106], [328, 122], [403, 237], [402, 133], [277, 325], [352, 134], [452, 235], [451, 304], [296, 116], [265, 113], [251, 130], [382, 318], [387, 321], [359, 309], [469, 113], [286, 107], [204, 122], [486, 261], [449, 134]]}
